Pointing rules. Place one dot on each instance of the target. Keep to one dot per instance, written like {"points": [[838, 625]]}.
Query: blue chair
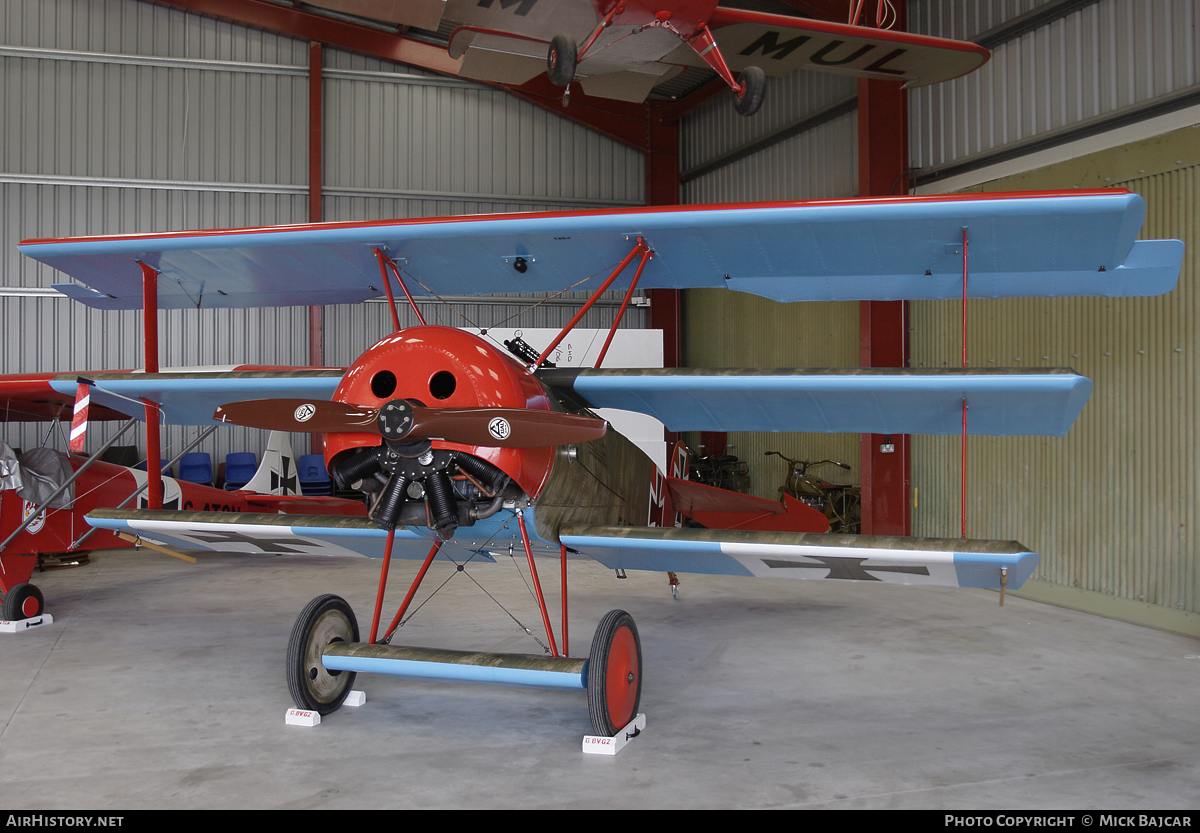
{"points": [[314, 480], [239, 468], [196, 468]]}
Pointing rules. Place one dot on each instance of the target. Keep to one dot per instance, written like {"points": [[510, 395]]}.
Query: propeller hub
{"points": [[395, 419]]}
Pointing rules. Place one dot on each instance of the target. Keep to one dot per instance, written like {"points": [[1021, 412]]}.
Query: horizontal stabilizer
{"points": [[864, 401], [1028, 244], [689, 497], [948, 562]]}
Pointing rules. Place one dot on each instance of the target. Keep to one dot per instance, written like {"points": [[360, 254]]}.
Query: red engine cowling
{"points": [[443, 367]]}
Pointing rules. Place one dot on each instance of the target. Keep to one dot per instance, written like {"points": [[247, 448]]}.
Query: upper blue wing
{"points": [[874, 249]]}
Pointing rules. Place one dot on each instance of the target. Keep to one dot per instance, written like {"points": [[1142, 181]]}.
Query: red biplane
{"points": [[466, 447], [622, 49], [46, 494]]}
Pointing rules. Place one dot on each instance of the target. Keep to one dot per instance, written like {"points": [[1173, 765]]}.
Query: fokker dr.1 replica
{"points": [[464, 445], [622, 49]]}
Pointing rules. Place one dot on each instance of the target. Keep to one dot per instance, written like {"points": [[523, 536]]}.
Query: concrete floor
{"points": [[161, 685]]}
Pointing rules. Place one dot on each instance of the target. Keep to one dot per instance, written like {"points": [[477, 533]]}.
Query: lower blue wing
{"points": [[955, 562], [948, 562]]}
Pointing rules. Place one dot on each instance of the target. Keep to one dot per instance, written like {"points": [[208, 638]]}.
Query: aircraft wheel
{"points": [[325, 620], [755, 81], [24, 601], [614, 675], [561, 60]]}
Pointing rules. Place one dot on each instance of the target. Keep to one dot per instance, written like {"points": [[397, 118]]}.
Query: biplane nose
{"points": [[443, 367]]}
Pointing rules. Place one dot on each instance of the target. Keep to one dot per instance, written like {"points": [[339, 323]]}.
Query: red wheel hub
{"points": [[622, 679], [30, 607]]}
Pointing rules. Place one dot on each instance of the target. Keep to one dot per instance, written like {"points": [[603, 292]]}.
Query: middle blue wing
{"points": [[1000, 402], [874, 400]]}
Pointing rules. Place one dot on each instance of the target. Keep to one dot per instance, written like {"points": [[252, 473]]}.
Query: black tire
{"points": [[561, 60], [24, 601], [755, 82], [325, 620], [614, 673]]}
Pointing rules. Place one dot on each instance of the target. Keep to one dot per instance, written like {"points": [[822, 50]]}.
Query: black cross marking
{"points": [[290, 487], [271, 545], [844, 567]]}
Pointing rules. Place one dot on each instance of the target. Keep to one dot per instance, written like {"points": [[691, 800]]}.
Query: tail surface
{"points": [[276, 473]]}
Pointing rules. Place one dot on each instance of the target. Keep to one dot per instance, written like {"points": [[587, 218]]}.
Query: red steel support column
{"points": [[883, 325], [662, 188], [154, 493], [316, 315]]}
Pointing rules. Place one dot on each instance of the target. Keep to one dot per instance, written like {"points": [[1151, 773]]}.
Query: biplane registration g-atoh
{"points": [[464, 447]]}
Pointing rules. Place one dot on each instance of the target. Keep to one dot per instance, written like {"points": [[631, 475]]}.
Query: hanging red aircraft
{"points": [[622, 49], [467, 449]]}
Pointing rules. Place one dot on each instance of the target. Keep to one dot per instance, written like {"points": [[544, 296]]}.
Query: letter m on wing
{"points": [[770, 46]]}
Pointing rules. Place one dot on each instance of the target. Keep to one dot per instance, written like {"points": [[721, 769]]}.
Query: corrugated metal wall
{"points": [[1112, 506], [124, 116], [730, 329], [1107, 56], [815, 164]]}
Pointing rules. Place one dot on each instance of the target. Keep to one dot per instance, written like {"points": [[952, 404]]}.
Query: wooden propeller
{"points": [[402, 420]]}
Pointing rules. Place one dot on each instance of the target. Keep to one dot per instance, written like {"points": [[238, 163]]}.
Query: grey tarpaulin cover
{"points": [[43, 471]]}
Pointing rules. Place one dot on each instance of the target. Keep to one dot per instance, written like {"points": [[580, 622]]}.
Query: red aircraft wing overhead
{"points": [[625, 50], [781, 45]]}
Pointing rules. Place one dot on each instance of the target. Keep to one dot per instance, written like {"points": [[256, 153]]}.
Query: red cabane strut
{"points": [[639, 248], [385, 263]]}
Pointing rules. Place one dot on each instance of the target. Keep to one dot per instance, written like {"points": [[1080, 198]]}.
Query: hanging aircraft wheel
{"points": [[614, 675], [325, 620], [755, 82], [24, 601], [561, 60]]}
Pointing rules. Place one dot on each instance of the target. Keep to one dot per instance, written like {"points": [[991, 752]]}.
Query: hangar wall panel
{"points": [[1112, 506], [1107, 56], [126, 116], [814, 164]]}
